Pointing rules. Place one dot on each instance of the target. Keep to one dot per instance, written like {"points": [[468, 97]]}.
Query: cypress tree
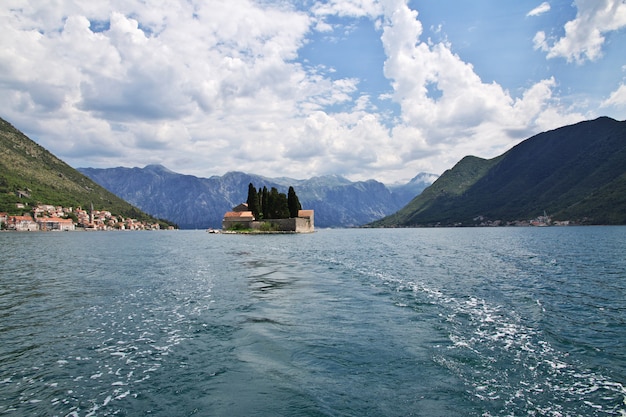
{"points": [[293, 203], [278, 208], [282, 206], [265, 208], [260, 199], [272, 198], [253, 201], [271, 204]]}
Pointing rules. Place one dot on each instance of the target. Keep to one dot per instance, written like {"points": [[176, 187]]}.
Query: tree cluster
{"points": [[271, 204]]}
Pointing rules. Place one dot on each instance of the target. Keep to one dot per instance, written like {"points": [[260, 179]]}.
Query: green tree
{"points": [[259, 196], [293, 203], [253, 201], [277, 205], [265, 208], [282, 206], [271, 203]]}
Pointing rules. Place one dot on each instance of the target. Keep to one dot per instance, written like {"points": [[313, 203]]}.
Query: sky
{"points": [[365, 89]]}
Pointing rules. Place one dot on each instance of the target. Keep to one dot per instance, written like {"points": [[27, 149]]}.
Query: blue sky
{"points": [[379, 89]]}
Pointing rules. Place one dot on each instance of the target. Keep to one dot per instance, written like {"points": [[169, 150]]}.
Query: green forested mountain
{"points": [[576, 173], [29, 174]]}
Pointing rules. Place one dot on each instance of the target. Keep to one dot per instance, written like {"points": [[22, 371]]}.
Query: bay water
{"points": [[347, 322]]}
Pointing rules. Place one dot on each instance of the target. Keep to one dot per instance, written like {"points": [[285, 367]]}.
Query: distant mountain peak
{"points": [[158, 168], [424, 177], [330, 179]]}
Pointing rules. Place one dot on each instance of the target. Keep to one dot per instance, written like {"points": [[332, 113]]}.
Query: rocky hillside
{"points": [[29, 174]]}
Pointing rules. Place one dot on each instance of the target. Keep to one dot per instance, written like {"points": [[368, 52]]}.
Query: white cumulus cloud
{"points": [[585, 35]]}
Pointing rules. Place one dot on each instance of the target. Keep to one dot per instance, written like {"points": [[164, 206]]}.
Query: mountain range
{"points": [[195, 203], [31, 175], [575, 173]]}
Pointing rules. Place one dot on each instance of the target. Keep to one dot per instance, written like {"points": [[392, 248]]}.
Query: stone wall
{"points": [[297, 225]]}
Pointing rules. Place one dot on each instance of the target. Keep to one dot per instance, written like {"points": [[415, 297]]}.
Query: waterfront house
{"points": [[243, 219], [22, 224], [56, 223]]}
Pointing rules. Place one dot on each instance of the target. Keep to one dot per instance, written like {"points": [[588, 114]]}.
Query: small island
{"points": [[269, 212]]}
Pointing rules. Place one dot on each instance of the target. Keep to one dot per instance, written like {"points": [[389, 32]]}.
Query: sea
{"points": [[340, 322]]}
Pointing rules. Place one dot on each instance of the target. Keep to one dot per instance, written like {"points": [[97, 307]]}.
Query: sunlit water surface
{"points": [[423, 322]]}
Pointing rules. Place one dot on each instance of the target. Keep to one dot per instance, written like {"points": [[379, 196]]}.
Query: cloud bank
{"points": [[208, 87]]}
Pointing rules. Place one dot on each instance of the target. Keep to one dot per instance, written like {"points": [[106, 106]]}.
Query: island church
{"points": [[242, 217]]}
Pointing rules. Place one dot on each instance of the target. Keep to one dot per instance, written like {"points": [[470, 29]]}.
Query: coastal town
{"points": [[44, 217], [539, 221]]}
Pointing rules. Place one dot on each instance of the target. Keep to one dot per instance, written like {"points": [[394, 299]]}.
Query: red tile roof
{"points": [[238, 214]]}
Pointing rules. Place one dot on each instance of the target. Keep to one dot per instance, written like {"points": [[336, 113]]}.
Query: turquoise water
{"points": [[423, 322]]}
